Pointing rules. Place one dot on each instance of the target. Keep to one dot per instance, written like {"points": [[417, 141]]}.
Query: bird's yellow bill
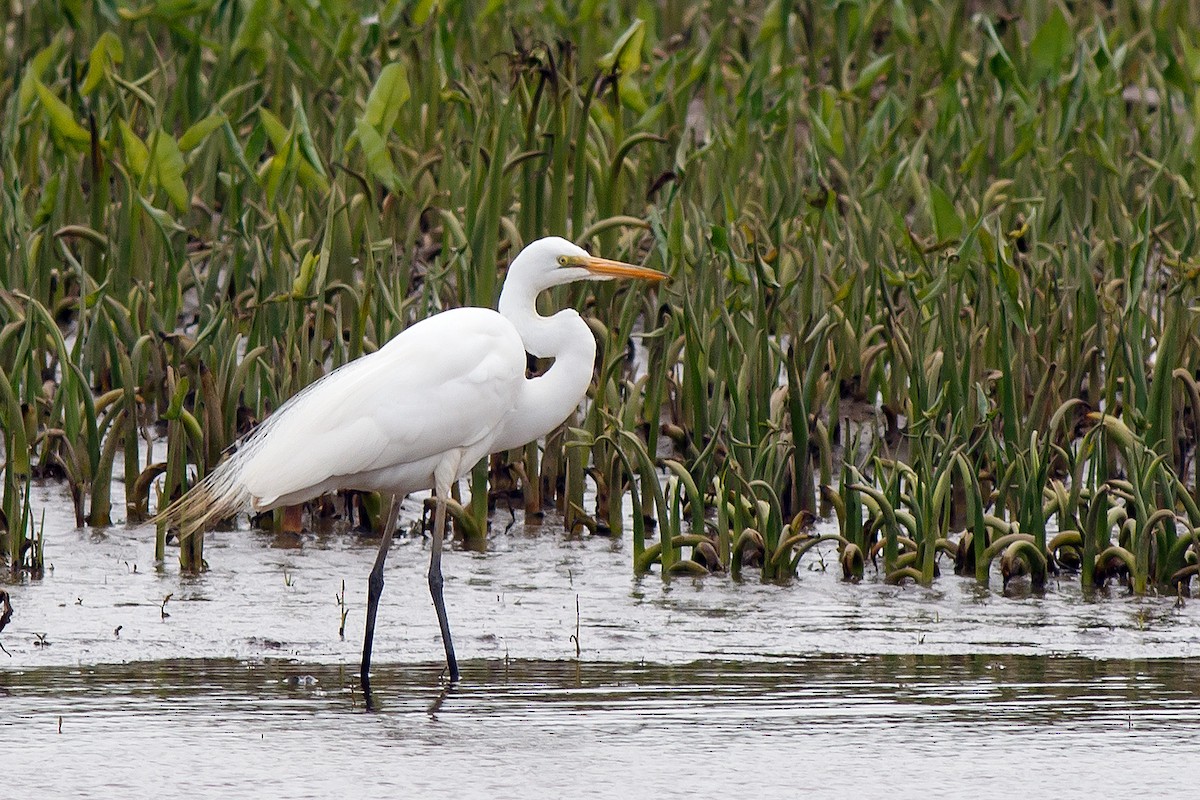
{"points": [[619, 269]]}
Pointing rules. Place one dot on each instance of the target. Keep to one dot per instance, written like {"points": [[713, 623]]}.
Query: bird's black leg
{"points": [[374, 590], [435, 583]]}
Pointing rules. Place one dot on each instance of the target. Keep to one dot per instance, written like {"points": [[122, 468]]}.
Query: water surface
{"points": [[825, 726], [240, 685]]}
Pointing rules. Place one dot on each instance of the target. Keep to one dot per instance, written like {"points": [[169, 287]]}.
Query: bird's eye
{"points": [[562, 261]]}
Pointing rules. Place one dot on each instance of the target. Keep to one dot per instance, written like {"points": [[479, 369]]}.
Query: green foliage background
{"points": [[977, 220]]}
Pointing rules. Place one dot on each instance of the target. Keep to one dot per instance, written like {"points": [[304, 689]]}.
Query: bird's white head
{"points": [[553, 261]]}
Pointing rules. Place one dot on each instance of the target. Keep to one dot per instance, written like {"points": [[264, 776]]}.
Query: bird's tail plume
{"points": [[218, 496]]}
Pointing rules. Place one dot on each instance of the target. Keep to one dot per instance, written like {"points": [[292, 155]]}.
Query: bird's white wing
{"points": [[444, 383]]}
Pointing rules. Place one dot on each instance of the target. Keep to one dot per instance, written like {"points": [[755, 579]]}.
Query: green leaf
{"points": [[833, 127], [631, 96], [137, 157], [235, 147], [1008, 280], [307, 166], [871, 73], [822, 132], [273, 177], [194, 136], [1050, 44], [703, 60], [1140, 257], [423, 10], [168, 168], [33, 73], [1027, 138], [626, 54], [107, 52], [160, 217], [277, 132], [1176, 75], [1191, 54], [61, 119], [304, 136], [308, 267], [1001, 64], [946, 222], [1159, 413], [626, 58], [489, 8], [902, 25], [388, 95], [254, 24], [772, 24], [379, 160], [49, 200]]}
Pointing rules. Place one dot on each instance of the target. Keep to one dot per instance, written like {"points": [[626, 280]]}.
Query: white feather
{"points": [[424, 408]]}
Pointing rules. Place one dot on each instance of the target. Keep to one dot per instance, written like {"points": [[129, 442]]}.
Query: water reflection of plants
{"points": [[932, 274]]}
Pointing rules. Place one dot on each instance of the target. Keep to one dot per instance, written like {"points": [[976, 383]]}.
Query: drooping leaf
{"points": [[168, 169], [1190, 60], [902, 23], [137, 156], [626, 53], [303, 281], [33, 73], [388, 95], [626, 59], [835, 125], [277, 132], [703, 60], [285, 141], [166, 162], [107, 52], [160, 218], [379, 160], [234, 146], [194, 136], [62, 120]]}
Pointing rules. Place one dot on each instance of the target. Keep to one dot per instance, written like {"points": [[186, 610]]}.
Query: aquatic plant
{"points": [[933, 266]]}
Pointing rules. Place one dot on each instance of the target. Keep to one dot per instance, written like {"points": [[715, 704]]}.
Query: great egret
{"points": [[419, 413]]}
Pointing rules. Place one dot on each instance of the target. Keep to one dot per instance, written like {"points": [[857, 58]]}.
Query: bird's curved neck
{"points": [[548, 400], [544, 337]]}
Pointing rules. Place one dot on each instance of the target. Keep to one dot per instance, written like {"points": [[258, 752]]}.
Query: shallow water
{"points": [[271, 596], [818, 687], [826, 726]]}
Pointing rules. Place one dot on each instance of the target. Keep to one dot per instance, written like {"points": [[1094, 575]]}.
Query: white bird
{"points": [[419, 413]]}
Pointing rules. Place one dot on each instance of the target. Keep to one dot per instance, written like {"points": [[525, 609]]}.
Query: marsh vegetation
{"points": [[933, 264]]}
